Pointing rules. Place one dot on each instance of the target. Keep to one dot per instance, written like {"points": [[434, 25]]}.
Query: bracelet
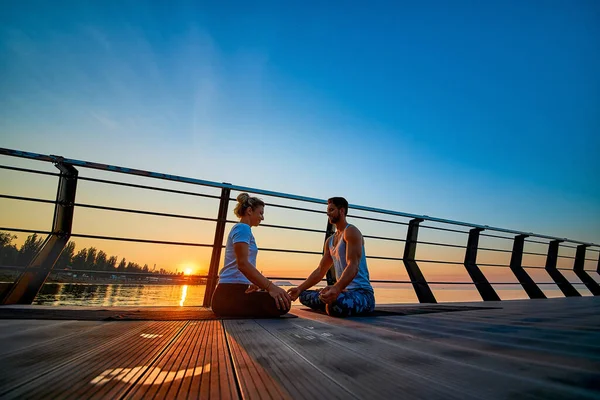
{"points": [[268, 286]]}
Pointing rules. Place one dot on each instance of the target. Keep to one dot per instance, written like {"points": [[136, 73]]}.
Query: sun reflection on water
{"points": [[183, 294]]}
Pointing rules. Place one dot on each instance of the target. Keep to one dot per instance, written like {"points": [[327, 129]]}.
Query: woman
{"points": [[239, 293]]}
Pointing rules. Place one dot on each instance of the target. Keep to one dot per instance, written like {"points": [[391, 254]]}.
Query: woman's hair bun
{"points": [[243, 197]]}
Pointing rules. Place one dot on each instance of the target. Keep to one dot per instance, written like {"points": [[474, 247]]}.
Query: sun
{"points": [[188, 268]]}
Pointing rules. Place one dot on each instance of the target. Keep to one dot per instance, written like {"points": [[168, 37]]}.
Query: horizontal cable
{"points": [[290, 228], [441, 262], [385, 258], [384, 238], [535, 241], [133, 185], [532, 267], [458, 246], [289, 207], [534, 254], [492, 265], [442, 229], [159, 214], [81, 235], [25, 230], [569, 257], [411, 282], [291, 251], [495, 236], [377, 220], [33, 171], [175, 178], [498, 250], [103, 272], [7, 196]]}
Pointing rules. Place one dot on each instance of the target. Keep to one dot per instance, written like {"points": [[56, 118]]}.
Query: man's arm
{"points": [[316, 276], [354, 242]]}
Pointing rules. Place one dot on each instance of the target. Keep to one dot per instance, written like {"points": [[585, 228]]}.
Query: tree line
{"points": [[90, 258]]}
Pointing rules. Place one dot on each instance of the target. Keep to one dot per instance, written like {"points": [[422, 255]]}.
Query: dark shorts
{"points": [[230, 300], [349, 302]]}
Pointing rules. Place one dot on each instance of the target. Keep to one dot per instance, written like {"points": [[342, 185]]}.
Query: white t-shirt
{"points": [[230, 273]]}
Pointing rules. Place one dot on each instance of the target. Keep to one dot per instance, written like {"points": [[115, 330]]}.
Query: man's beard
{"points": [[334, 220]]}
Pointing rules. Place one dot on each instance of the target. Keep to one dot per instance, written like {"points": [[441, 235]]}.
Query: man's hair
{"points": [[339, 202]]}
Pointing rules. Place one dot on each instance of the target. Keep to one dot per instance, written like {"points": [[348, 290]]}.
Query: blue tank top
{"points": [[338, 253]]}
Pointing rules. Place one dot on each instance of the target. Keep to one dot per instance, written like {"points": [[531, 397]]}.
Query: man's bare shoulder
{"points": [[352, 233]]}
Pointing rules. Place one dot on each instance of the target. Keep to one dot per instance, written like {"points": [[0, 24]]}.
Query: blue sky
{"points": [[486, 112]]}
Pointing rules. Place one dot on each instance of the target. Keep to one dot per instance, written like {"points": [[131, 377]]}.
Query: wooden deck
{"points": [[526, 349]]}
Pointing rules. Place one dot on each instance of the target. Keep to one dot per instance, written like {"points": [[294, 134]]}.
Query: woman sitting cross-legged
{"points": [[242, 290]]}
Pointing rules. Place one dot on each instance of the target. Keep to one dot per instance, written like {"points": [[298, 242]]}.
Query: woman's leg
{"points": [[352, 302], [310, 298], [230, 300]]}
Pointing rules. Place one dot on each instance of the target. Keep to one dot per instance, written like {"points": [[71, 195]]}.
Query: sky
{"points": [[484, 112]]}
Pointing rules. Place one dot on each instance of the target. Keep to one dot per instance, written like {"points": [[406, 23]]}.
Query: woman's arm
{"points": [[281, 297]]}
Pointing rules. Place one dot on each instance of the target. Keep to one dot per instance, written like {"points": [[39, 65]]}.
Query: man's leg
{"points": [[310, 298], [352, 302]]}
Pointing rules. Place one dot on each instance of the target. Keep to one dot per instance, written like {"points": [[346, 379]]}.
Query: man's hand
{"points": [[294, 293], [329, 294]]}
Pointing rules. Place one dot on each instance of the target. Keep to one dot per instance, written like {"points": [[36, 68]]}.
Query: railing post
{"points": [[420, 285], [30, 281], [486, 290], [215, 258], [563, 283], [331, 278], [516, 259], [580, 272]]}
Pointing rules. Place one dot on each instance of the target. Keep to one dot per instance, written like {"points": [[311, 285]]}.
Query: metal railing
{"points": [[27, 285]]}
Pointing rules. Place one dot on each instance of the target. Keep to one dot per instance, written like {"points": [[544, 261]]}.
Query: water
{"points": [[114, 295]]}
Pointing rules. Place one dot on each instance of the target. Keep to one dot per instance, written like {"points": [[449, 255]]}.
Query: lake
{"points": [[114, 295]]}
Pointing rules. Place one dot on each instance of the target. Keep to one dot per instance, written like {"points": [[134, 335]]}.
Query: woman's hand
{"points": [[252, 288], [283, 301]]}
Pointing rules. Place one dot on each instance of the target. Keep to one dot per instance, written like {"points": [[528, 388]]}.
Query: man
{"points": [[352, 293]]}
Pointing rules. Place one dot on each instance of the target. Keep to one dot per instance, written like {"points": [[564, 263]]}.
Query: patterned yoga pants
{"points": [[349, 302]]}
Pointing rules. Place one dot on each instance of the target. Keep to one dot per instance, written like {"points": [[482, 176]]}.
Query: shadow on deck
{"points": [[547, 349]]}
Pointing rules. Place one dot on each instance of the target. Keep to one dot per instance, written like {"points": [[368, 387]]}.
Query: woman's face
{"points": [[256, 215]]}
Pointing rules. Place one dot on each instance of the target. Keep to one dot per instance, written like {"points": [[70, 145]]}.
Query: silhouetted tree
{"points": [[101, 261], [122, 265], [65, 258], [111, 264], [78, 261], [90, 260], [8, 251], [29, 249]]}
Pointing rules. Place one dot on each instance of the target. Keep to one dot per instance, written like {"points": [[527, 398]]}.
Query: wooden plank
{"points": [[193, 366], [275, 366], [107, 366], [17, 335], [358, 371], [421, 369], [28, 363], [248, 353]]}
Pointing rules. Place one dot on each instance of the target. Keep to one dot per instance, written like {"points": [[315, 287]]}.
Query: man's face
{"points": [[333, 213]]}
